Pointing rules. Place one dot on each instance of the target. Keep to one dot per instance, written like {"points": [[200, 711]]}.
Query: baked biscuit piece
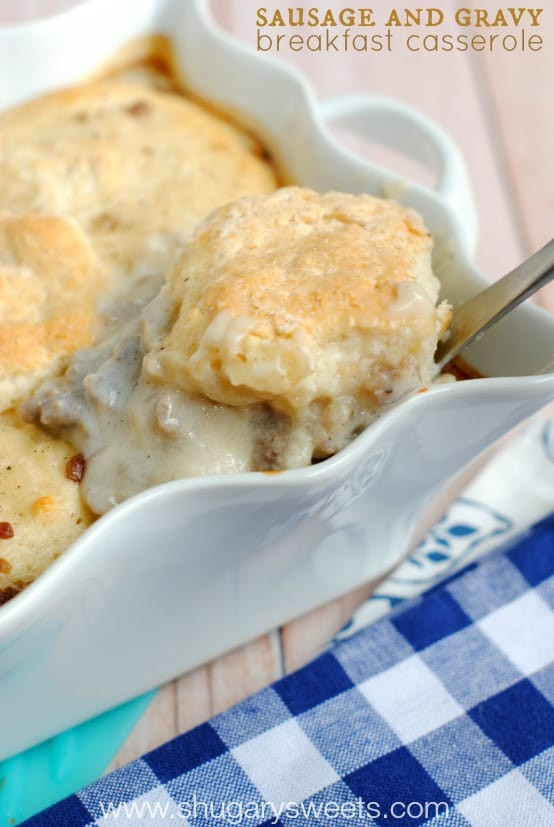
{"points": [[50, 281], [38, 503], [298, 298], [136, 167]]}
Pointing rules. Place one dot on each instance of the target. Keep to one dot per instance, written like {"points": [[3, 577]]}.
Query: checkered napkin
{"points": [[439, 714]]}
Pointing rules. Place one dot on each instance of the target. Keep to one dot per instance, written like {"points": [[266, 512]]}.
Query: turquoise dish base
{"points": [[37, 778]]}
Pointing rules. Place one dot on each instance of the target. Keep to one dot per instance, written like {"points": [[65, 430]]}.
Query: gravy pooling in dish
{"points": [[285, 326]]}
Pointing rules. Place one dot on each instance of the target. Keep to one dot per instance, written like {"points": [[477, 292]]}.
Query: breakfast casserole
{"points": [[170, 310]]}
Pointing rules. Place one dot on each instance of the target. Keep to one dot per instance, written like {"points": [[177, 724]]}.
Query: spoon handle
{"points": [[471, 319]]}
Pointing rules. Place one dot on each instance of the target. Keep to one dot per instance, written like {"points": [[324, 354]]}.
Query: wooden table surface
{"points": [[499, 110]]}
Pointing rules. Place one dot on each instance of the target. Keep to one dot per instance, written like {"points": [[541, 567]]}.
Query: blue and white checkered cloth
{"points": [[440, 714]]}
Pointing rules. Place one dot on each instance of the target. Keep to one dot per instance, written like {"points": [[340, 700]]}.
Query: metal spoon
{"points": [[470, 320]]}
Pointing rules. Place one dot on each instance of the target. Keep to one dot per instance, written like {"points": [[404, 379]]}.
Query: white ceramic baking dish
{"points": [[190, 569]]}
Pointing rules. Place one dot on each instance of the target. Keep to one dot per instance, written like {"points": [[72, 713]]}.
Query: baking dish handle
{"points": [[418, 138]]}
